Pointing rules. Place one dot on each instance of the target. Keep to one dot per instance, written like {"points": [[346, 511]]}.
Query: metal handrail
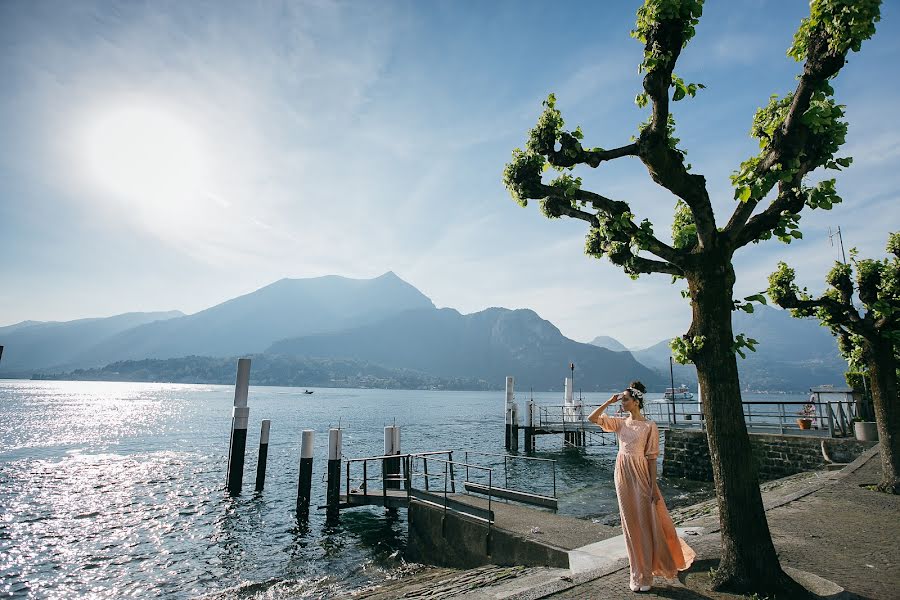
{"points": [[505, 469]]}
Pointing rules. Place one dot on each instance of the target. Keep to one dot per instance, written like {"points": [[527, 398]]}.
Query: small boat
{"points": [[307, 391], [679, 393]]}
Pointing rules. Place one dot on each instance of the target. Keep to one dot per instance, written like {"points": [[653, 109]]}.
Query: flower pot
{"points": [[804, 423], [866, 431]]}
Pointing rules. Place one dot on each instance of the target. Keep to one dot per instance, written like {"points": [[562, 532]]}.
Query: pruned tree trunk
{"points": [[883, 370], [749, 562]]}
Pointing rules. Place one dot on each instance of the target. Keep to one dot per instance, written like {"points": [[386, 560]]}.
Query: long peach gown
{"points": [[654, 547]]}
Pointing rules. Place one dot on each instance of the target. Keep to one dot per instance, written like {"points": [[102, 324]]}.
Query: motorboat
{"points": [[307, 391], [679, 393]]}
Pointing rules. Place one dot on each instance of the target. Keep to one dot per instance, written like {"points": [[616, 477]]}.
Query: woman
{"points": [[653, 546]]}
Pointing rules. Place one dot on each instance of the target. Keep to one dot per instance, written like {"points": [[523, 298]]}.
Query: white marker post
{"points": [[263, 454], [240, 414], [304, 485], [333, 484], [391, 469]]}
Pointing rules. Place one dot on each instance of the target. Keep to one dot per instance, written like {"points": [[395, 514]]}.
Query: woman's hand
{"points": [[654, 494]]}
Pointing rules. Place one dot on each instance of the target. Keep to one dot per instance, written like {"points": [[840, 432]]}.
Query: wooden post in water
{"points": [[240, 414], [304, 484], [333, 485], [391, 471], [568, 411], [507, 411], [263, 454]]}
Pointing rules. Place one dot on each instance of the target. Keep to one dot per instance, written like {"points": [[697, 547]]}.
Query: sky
{"points": [[173, 155]]}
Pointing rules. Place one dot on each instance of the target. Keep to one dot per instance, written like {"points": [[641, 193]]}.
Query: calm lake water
{"points": [[114, 490]]}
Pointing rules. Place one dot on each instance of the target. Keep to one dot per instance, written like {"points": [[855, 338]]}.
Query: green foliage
{"points": [[845, 23], [741, 342], [747, 304], [684, 230], [877, 285], [654, 12], [683, 89], [522, 175], [826, 134], [543, 136], [684, 348]]}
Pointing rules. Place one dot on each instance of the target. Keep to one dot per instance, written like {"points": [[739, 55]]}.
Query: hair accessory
{"points": [[636, 393]]}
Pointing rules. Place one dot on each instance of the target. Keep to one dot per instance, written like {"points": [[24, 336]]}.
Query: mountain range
{"points": [[388, 331]]}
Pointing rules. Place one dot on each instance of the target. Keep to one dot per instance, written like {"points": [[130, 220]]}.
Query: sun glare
{"points": [[146, 156]]}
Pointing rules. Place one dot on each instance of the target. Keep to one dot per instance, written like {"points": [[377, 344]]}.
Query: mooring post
{"points": [[529, 426], [333, 485], [514, 441], [263, 454], [304, 485], [507, 410], [568, 412], [391, 470], [240, 414]]}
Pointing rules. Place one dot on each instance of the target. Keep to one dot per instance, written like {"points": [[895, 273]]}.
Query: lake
{"points": [[115, 490]]}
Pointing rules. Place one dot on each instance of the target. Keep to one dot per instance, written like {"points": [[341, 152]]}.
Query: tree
{"points": [[871, 339], [798, 133]]}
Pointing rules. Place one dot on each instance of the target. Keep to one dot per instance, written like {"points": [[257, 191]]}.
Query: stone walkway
{"points": [[825, 523]]}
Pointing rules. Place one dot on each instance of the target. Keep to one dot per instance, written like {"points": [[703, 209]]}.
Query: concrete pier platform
{"points": [[832, 532]]}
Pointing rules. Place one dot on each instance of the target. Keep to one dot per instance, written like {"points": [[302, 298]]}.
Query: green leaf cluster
{"points": [[654, 12], [683, 89], [684, 229], [685, 348], [846, 24], [522, 175], [747, 304], [741, 342]]}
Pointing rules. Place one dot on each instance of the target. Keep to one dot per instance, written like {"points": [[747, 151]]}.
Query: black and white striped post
{"points": [[507, 411], [304, 485], [240, 414], [333, 483], [263, 454], [391, 465]]}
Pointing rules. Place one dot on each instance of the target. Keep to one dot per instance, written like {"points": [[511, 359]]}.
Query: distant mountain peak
{"points": [[610, 343]]}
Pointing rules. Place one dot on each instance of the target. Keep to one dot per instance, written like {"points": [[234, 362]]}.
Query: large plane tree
{"points": [[868, 336], [798, 133]]}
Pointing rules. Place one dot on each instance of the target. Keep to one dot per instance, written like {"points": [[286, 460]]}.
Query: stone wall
{"points": [[686, 454]]}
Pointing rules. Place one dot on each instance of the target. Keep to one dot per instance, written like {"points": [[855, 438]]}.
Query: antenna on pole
{"points": [[837, 233]]}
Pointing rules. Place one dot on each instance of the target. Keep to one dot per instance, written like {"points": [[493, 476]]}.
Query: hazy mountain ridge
{"points": [[792, 355], [250, 323], [33, 345], [610, 343], [489, 345], [387, 322]]}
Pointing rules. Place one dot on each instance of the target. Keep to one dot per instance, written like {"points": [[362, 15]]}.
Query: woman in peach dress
{"points": [[653, 546]]}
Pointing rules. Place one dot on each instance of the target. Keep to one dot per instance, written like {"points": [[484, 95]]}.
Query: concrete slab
{"points": [[605, 553]]}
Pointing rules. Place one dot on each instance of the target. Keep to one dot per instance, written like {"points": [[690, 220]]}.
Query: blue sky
{"points": [[301, 139]]}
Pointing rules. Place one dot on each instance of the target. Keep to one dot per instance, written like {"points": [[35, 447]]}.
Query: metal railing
{"points": [[404, 478], [831, 418], [510, 457]]}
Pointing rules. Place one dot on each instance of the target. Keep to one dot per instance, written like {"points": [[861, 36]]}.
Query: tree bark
{"points": [[749, 562], [883, 369]]}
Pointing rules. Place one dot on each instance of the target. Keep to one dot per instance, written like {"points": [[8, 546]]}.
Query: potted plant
{"points": [[865, 431], [806, 416]]}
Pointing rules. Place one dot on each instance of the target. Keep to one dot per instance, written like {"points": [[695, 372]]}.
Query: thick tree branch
{"points": [[664, 163], [562, 205], [572, 153], [789, 200], [789, 140]]}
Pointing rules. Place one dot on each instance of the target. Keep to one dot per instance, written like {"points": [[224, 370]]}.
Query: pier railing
{"points": [[831, 418], [533, 495]]}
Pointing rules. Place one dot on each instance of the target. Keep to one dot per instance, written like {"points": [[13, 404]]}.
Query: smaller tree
{"points": [[870, 340]]}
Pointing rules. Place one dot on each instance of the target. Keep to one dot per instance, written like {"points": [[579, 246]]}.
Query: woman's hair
{"points": [[638, 386]]}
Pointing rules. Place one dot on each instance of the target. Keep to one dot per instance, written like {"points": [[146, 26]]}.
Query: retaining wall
{"points": [[453, 540], [686, 454]]}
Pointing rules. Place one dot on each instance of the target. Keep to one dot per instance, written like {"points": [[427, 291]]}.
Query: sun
{"points": [[146, 156]]}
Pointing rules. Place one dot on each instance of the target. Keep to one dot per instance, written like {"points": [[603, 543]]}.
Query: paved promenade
{"points": [[825, 524]]}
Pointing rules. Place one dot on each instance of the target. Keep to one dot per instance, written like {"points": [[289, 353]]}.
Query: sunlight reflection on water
{"points": [[115, 489]]}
